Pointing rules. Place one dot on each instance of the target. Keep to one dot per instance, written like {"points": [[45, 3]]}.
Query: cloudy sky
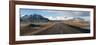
{"points": [[56, 14]]}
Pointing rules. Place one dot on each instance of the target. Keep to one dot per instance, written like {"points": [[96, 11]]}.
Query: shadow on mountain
{"points": [[33, 18]]}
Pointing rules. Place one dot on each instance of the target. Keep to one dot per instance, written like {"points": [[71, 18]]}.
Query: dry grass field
{"points": [[26, 28], [77, 23]]}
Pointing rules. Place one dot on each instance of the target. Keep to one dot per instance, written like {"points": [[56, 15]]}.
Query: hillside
{"points": [[33, 18]]}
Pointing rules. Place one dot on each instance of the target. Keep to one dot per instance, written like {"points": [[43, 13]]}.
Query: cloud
{"points": [[77, 13], [69, 18], [68, 13], [22, 15], [57, 14], [57, 18]]}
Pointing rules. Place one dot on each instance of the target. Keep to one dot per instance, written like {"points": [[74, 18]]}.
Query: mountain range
{"points": [[33, 18], [40, 18]]}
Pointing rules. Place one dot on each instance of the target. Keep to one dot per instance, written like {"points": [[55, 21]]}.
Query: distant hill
{"points": [[76, 19], [33, 18], [79, 20]]}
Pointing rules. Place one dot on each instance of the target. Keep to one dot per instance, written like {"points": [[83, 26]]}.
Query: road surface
{"points": [[61, 28]]}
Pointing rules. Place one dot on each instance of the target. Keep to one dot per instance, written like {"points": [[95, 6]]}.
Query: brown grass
{"points": [[26, 29], [77, 23]]}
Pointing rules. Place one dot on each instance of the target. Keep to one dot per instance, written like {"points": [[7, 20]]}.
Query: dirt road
{"points": [[61, 28]]}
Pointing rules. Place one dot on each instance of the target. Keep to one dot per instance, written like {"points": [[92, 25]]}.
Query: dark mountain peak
{"points": [[37, 15], [34, 18]]}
